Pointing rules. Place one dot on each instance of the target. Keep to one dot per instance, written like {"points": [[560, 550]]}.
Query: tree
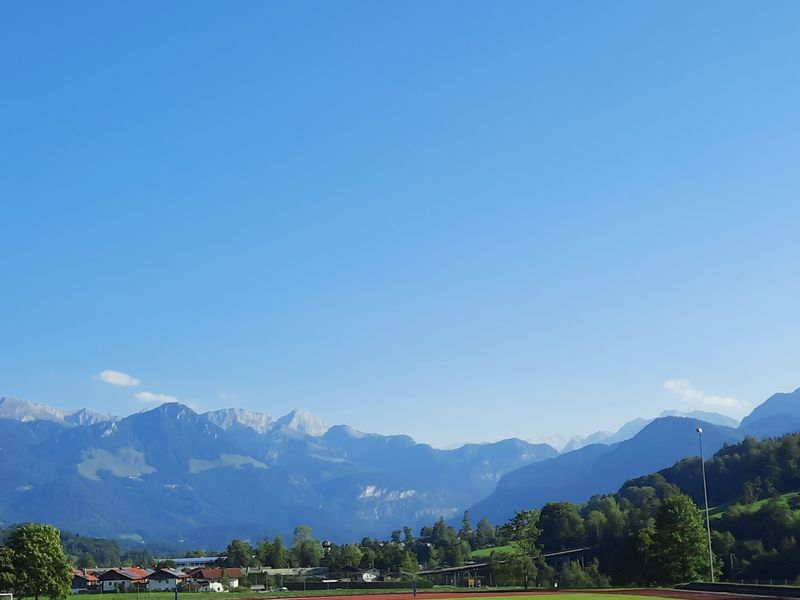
{"points": [[225, 579], [573, 575], [8, 580], [138, 558], [273, 554], [367, 559], [484, 535], [41, 568], [409, 564], [408, 536], [280, 556], [306, 551], [524, 530], [239, 554], [351, 555], [679, 548], [465, 533], [85, 561], [562, 526]]}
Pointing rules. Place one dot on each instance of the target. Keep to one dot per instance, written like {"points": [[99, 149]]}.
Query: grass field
{"points": [[437, 592], [485, 552], [792, 499]]}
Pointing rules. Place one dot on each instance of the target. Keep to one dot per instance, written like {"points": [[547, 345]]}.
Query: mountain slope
{"points": [[779, 414], [595, 469], [170, 474]]}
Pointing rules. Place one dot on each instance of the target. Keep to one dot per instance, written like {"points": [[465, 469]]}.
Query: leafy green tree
{"points": [[40, 566], [367, 558], [239, 554], [562, 526], [523, 529], [273, 554], [306, 550], [595, 526], [8, 580], [573, 575], [679, 550], [225, 579], [351, 555], [499, 566], [409, 564], [408, 536]]}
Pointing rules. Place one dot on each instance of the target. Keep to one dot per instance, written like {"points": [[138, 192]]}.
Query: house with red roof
{"points": [[84, 580], [124, 579], [212, 578]]}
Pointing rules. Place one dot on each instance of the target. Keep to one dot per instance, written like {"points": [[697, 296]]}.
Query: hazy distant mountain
{"points": [[22, 410], [630, 429], [703, 415], [779, 414], [171, 474], [599, 468]]}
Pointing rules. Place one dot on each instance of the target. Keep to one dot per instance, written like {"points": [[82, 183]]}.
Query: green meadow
{"points": [[438, 590]]}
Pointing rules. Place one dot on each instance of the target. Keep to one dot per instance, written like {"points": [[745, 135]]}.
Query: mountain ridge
{"points": [[180, 471]]}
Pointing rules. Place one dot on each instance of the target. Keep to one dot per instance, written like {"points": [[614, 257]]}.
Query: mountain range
{"points": [[171, 475]]}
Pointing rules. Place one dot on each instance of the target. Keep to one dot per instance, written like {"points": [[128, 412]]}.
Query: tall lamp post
{"points": [[705, 495]]}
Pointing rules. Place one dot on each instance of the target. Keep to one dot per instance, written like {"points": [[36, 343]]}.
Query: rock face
{"points": [[172, 475]]}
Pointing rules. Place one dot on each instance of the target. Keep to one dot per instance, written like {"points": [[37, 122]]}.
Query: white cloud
{"points": [[687, 392], [151, 398], [117, 378]]}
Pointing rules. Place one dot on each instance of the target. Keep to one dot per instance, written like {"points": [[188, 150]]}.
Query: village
{"points": [[194, 577]]}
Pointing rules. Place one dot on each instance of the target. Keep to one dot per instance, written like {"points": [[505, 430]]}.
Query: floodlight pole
{"points": [[705, 495]]}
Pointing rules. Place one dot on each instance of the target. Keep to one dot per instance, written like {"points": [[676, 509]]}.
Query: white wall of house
{"points": [[234, 582], [112, 585], [162, 585]]}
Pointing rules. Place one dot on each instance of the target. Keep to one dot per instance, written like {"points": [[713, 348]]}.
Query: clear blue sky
{"points": [[458, 220]]}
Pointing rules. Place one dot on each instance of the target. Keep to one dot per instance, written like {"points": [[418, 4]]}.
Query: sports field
{"points": [[614, 594]]}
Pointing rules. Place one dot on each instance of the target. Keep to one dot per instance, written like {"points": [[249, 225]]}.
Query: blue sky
{"points": [[457, 220]]}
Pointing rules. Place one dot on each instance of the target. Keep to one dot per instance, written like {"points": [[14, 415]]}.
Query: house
{"points": [[84, 580], [204, 578], [124, 579], [167, 580], [370, 575]]}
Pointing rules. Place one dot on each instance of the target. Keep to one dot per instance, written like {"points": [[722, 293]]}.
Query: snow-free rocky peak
{"points": [[233, 419], [303, 422], [22, 410]]}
